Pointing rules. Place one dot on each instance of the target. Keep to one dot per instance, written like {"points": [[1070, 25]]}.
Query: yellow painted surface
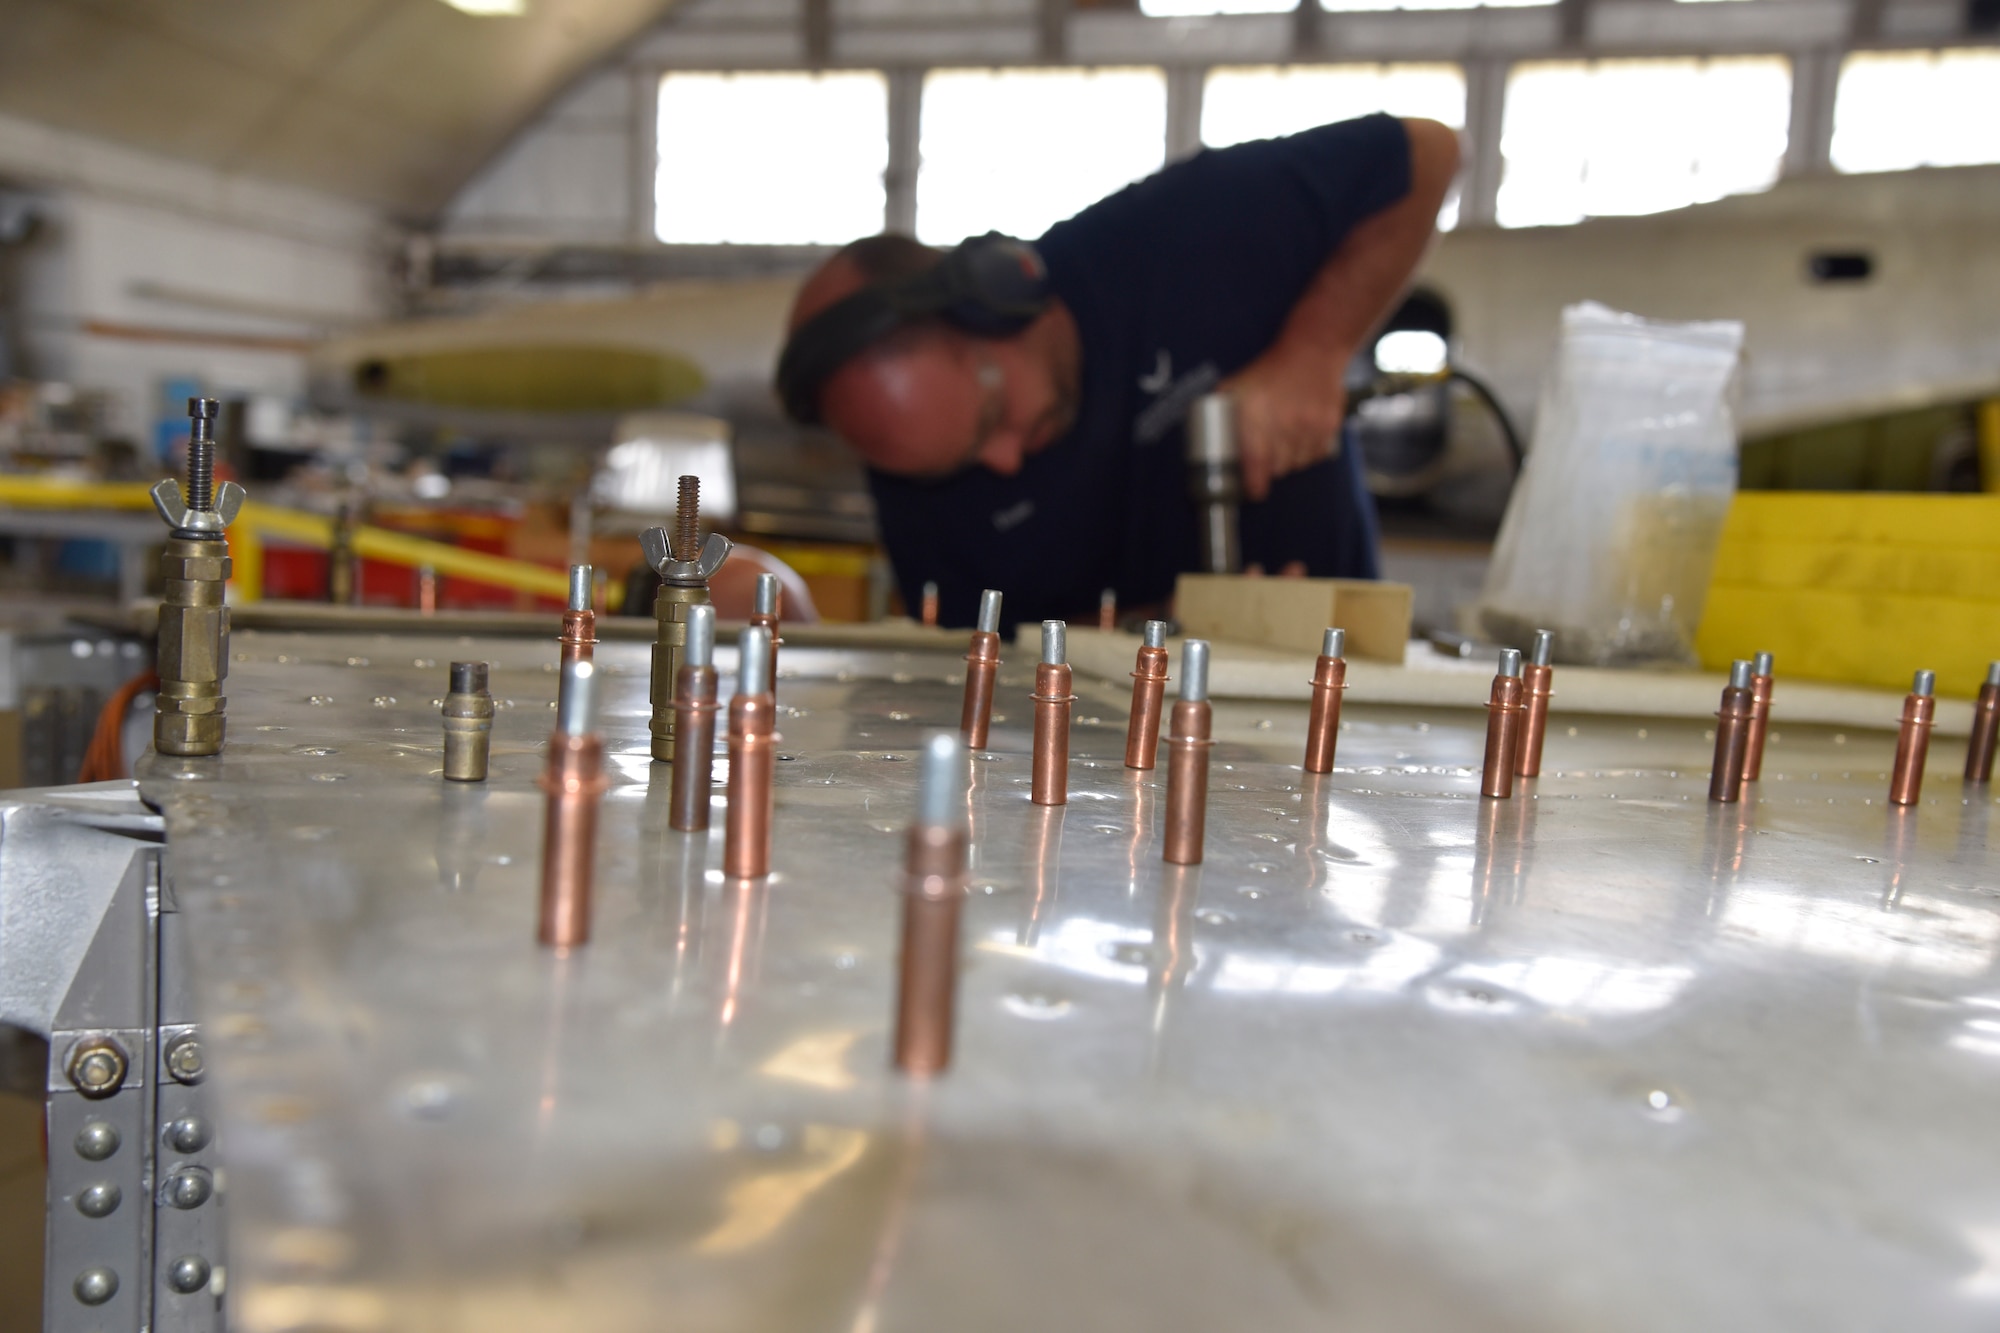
{"points": [[1863, 588]]}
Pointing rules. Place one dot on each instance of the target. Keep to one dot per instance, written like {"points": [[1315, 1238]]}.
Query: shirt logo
{"points": [[1172, 398], [1013, 516]]}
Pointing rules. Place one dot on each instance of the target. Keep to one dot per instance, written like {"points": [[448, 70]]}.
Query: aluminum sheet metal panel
{"points": [[1600, 1057]]}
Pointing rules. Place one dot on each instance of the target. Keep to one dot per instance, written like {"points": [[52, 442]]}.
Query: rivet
{"points": [[95, 1286], [99, 1200], [189, 1274], [96, 1141], [190, 1187], [189, 1134]]}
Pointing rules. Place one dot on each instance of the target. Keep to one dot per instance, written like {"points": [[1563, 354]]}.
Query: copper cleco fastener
{"points": [[753, 753], [1760, 716], [685, 564], [764, 615], [575, 783], [982, 666], [1985, 728], [934, 865], [1187, 759], [1053, 702], [1149, 691], [1913, 742], [468, 723], [579, 625], [927, 612], [1107, 610], [1329, 680], [1536, 677], [1732, 736], [694, 725], [1503, 728]]}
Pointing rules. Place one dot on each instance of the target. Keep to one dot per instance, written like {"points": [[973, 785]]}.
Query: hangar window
{"points": [[1901, 109], [1244, 102], [1350, 6], [1020, 149], [1171, 9], [771, 159], [1603, 138]]}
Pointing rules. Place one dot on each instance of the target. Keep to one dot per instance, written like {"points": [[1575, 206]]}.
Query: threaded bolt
{"points": [[201, 453], [687, 529]]}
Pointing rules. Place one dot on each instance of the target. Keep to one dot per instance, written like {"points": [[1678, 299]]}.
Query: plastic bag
{"points": [[1609, 537]]}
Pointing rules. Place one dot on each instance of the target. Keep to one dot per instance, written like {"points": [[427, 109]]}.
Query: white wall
{"points": [[152, 269], [572, 175]]}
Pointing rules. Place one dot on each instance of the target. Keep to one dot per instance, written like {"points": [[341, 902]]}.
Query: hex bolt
{"points": [[982, 666], [96, 1141], [190, 1187], [97, 1067], [95, 1286], [185, 1060], [99, 1200], [189, 1134], [189, 1274]]}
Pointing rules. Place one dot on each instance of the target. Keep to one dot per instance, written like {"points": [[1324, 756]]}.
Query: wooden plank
{"points": [[1290, 614]]}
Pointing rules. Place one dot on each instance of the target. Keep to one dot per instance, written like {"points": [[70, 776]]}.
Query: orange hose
{"points": [[104, 758]]}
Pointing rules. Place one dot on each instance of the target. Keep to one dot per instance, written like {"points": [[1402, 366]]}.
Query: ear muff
{"points": [[992, 286]]}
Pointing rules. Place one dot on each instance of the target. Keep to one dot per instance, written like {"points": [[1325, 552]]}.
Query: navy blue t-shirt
{"points": [[1176, 283]]}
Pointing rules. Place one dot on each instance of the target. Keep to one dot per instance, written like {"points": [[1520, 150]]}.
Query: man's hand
{"points": [[1288, 413]]}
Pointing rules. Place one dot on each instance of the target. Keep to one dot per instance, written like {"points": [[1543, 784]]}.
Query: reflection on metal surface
{"points": [[1600, 1056]]}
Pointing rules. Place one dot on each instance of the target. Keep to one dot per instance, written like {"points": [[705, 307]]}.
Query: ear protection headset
{"points": [[991, 286]]}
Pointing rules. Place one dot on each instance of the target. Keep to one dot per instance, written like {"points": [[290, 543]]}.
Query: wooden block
{"points": [[1290, 614]]}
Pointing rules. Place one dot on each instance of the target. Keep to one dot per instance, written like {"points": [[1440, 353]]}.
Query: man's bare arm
{"points": [[1290, 400]]}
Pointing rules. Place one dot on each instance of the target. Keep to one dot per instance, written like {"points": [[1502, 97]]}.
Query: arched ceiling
{"points": [[391, 103]]}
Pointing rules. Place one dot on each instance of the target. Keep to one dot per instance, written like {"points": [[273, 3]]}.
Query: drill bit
{"points": [[746, 830], [764, 613], [1187, 759], [1329, 680], [1913, 740], [1760, 716], [982, 665], [1053, 702], [1149, 691], [1985, 728], [574, 782], [694, 721], [579, 623], [1536, 677], [1732, 735], [934, 867], [1503, 728]]}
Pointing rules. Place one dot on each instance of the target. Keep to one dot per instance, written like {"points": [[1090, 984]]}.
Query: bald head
{"points": [[930, 399]]}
